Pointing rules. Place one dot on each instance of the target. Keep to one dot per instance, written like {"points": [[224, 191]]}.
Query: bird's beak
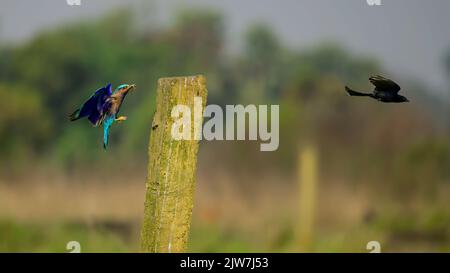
{"points": [[131, 87]]}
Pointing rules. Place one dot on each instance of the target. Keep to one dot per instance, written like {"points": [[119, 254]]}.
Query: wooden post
{"points": [[171, 168], [307, 185]]}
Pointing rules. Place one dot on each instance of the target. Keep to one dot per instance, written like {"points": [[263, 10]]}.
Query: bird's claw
{"points": [[120, 119]]}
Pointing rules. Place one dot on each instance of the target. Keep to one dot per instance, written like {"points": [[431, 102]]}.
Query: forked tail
{"points": [[356, 93]]}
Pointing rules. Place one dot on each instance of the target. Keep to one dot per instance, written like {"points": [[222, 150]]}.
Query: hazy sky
{"points": [[409, 36]]}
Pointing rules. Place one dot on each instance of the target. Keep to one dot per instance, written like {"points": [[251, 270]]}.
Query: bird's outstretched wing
{"points": [[383, 84], [93, 108]]}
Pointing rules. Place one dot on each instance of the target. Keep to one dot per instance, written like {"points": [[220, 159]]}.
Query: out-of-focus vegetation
{"points": [[396, 156]]}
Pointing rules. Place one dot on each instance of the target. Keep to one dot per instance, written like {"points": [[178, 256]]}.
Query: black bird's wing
{"points": [[384, 84]]}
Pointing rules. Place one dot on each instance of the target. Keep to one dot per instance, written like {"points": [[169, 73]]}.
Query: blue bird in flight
{"points": [[103, 108]]}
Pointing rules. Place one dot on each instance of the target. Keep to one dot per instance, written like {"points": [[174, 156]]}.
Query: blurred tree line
{"points": [[43, 80]]}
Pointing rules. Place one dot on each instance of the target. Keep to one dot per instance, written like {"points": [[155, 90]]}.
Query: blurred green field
{"points": [[34, 219], [382, 173], [429, 236]]}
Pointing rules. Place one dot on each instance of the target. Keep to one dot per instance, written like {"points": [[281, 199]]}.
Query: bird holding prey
{"points": [[103, 108], [385, 90]]}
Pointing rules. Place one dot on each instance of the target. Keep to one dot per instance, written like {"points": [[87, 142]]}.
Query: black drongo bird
{"points": [[385, 90]]}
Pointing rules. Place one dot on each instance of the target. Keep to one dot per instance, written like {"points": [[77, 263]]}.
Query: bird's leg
{"points": [[121, 118]]}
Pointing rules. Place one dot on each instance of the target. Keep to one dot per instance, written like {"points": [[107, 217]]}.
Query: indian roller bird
{"points": [[385, 90], [103, 108]]}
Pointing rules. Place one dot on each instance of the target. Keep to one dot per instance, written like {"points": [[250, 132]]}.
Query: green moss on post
{"points": [[171, 169]]}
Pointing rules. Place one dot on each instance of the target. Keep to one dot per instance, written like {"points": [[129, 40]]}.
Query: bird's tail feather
{"points": [[106, 124], [356, 93], [75, 115]]}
